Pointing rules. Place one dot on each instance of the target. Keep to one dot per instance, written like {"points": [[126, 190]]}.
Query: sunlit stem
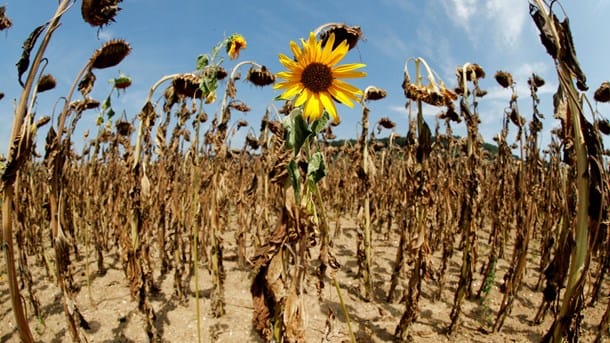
{"points": [[151, 92], [232, 77], [344, 308], [8, 186], [580, 253], [195, 235], [322, 27]]}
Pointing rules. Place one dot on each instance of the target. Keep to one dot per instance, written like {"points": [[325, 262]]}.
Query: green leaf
{"points": [[316, 169], [319, 124], [297, 130], [202, 61], [106, 104], [110, 113], [295, 180]]}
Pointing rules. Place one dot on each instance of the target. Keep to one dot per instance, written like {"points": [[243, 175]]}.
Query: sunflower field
{"points": [[163, 230]]}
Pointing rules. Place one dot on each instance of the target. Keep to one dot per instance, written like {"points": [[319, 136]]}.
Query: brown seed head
{"points": [[5, 22], [241, 123], [45, 83], [110, 54], [504, 78], [260, 76], [352, 34], [239, 105], [604, 126], [602, 94], [386, 123], [124, 128], [188, 85], [221, 73], [86, 104], [536, 81], [473, 71], [252, 141], [374, 93], [99, 12]]}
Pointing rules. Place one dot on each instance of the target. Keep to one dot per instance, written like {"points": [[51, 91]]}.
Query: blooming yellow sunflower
{"points": [[235, 44], [313, 77]]}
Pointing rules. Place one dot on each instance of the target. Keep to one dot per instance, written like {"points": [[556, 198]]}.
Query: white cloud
{"points": [[503, 20], [464, 9], [508, 19]]}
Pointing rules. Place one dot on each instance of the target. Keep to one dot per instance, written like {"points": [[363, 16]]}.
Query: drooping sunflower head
{"points": [[313, 77], [235, 43]]}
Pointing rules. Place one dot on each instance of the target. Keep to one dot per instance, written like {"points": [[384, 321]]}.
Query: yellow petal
{"points": [[340, 96], [289, 76], [346, 87], [328, 49], [288, 62], [338, 53], [303, 97], [329, 105], [296, 50], [348, 70], [313, 108], [292, 91]]}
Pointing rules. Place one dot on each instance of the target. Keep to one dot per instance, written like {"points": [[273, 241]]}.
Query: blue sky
{"points": [[166, 37]]}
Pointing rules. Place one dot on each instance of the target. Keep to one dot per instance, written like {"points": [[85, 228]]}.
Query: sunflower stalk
{"points": [[557, 39], [469, 210], [364, 247], [16, 159], [525, 214]]}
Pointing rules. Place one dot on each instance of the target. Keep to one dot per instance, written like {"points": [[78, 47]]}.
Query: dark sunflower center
{"points": [[317, 77]]}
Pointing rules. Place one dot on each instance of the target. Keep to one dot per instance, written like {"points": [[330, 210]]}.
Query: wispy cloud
{"points": [[508, 19], [391, 44], [463, 10], [504, 20]]}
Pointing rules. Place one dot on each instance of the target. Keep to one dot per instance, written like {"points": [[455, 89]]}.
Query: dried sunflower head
{"points": [[110, 54], [474, 71], [434, 93], [536, 81], [45, 83], [374, 93], [504, 78], [221, 73], [187, 85], [124, 128], [99, 12], [386, 123], [260, 76], [5, 22], [602, 94]]}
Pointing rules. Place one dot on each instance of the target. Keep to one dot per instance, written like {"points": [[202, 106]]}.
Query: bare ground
{"points": [[113, 315]]}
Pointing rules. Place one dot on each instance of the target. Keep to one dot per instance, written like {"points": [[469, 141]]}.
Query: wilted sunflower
{"points": [[235, 44], [313, 77]]}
